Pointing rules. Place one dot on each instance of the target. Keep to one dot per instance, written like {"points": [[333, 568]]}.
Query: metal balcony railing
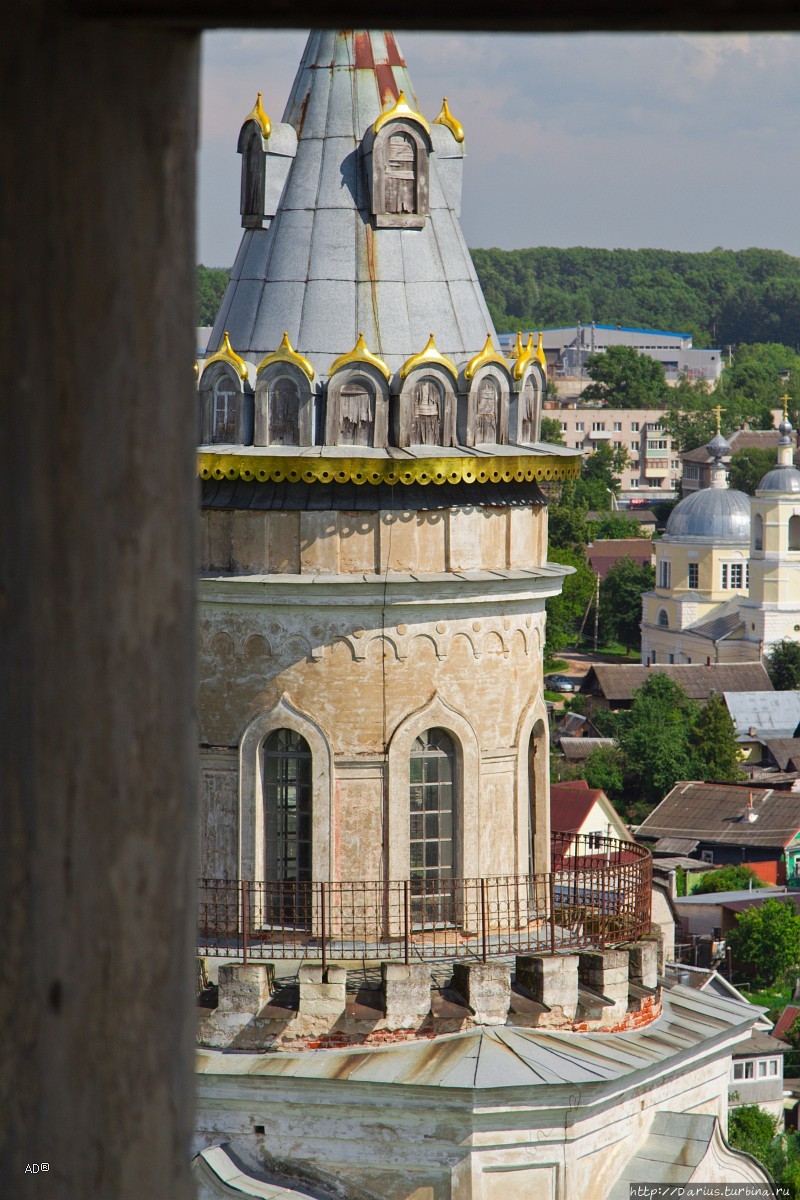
{"points": [[597, 893]]}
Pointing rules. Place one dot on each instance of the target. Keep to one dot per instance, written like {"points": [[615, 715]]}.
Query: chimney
{"points": [[750, 814]]}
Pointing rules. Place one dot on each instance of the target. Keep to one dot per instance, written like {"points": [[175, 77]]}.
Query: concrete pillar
{"points": [[322, 993], [244, 989], [552, 980], [406, 993], [643, 962], [97, 492], [606, 971], [486, 987]]}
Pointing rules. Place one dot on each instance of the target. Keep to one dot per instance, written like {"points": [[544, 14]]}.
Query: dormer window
{"points": [[253, 142], [397, 149], [224, 394]]}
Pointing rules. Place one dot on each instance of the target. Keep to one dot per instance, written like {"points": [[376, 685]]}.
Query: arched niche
{"points": [[357, 408], [758, 532], [398, 174], [284, 407], [252, 800], [533, 789], [226, 406], [425, 413], [252, 146], [434, 715], [487, 407], [525, 407]]}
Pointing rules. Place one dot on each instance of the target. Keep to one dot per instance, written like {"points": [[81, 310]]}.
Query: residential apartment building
{"points": [[654, 465]]}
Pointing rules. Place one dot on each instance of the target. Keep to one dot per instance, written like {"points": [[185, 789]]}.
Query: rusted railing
{"points": [[597, 893]]}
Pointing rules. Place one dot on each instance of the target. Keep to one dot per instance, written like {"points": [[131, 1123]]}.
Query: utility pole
{"points": [[596, 608]]}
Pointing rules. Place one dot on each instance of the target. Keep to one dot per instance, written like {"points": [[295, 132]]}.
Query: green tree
{"points": [[688, 418], [756, 1132], [614, 525], [567, 528], [605, 769], [732, 878], [748, 468], [655, 738], [621, 601], [211, 285], [551, 431], [565, 612], [753, 384], [765, 942], [714, 749], [783, 665], [623, 378]]}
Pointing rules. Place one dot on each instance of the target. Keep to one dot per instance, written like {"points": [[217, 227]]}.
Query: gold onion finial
{"points": [[360, 354], [226, 353], [286, 353], [445, 117], [428, 357], [260, 117], [399, 110], [487, 355], [525, 357], [540, 354]]}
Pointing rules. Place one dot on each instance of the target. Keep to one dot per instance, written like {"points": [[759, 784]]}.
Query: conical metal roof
{"points": [[321, 271]]}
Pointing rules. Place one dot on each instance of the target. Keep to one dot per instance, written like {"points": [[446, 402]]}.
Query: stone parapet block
{"points": [[323, 993], [606, 971], [406, 990], [487, 989], [552, 980], [244, 988], [643, 962]]}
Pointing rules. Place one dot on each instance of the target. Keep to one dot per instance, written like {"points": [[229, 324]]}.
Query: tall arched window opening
{"points": [[663, 619], [287, 825], [432, 843], [758, 532], [794, 533]]}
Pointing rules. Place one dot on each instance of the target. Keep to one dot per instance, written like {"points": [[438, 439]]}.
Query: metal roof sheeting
{"points": [[770, 714]]}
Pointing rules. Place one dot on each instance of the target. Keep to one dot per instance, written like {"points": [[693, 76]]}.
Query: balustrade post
{"points": [[322, 914], [245, 922], [552, 899], [406, 921], [483, 920]]}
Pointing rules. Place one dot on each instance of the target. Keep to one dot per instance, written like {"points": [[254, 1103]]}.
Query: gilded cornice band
{"points": [[516, 468]]}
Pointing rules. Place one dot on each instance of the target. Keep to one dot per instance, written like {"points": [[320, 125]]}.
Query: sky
{"points": [[681, 142]]}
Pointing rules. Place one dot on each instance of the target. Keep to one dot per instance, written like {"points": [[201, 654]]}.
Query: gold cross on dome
{"points": [[718, 411]]}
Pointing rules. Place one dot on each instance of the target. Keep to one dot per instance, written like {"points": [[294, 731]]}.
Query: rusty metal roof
{"points": [[500, 1057], [716, 812], [320, 270]]}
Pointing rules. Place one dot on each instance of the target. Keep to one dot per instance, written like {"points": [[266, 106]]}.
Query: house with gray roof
{"points": [[612, 686]]}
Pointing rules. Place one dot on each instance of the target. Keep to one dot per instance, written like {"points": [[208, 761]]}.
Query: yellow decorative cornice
{"points": [[260, 117], [487, 355], [510, 468], [540, 354], [524, 357], [445, 117], [360, 354], [286, 353], [428, 357], [227, 354], [399, 110]]}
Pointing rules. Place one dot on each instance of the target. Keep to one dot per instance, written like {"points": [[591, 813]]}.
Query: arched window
{"points": [[284, 412], [527, 411], [224, 397], [427, 402], [287, 825], [663, 619], [432, 849], [356, 413], [486, 410], [758, 532], [400, 180], [794, 533]]}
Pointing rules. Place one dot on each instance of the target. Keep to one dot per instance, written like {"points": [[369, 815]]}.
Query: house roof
{"points": [[785, 751], [571, 725], [715, 812], [721, 622], [770, 714], [571, 803], [619, 682], [675, 845], [576, 749], [786, 1020], [605, 552], [740, 439]]}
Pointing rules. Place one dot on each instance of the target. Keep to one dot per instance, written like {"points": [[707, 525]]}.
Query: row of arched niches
{"points": [[428, 402]]}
